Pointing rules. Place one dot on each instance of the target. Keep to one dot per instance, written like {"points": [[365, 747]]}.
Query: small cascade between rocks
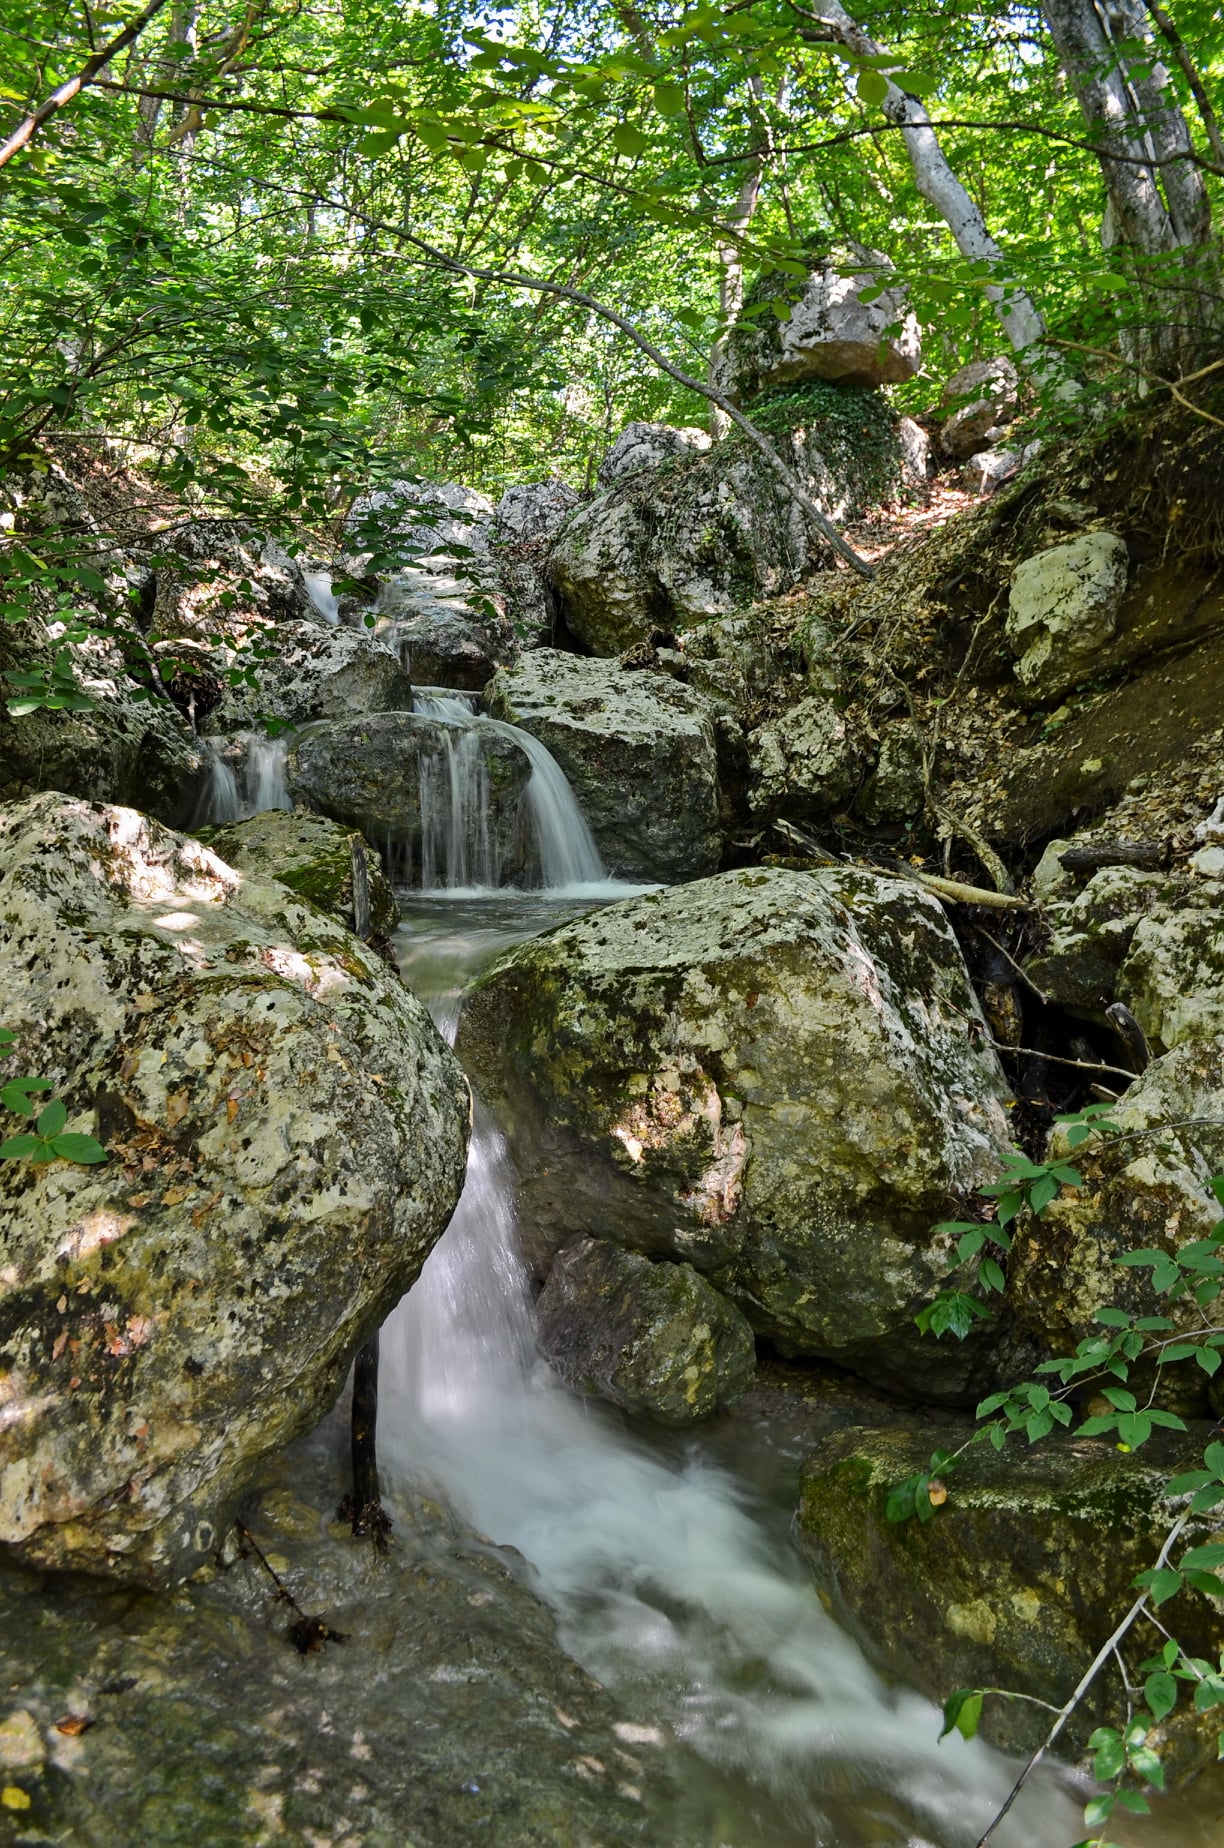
{"points": [[318, 587], [258, 782], [673, 1582], [461, 849]]}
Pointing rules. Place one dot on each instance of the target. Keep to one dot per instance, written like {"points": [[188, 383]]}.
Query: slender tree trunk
{"points": [[731, 272], [1017, 313], [166, 68]]}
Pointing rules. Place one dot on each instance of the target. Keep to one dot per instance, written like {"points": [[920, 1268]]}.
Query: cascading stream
{"points": [[230, 794], [670, 1583]]}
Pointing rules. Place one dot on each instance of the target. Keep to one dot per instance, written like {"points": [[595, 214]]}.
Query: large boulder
{"points": [[1091, 932], [435, 628], [1063, 609], [805, 763], [781, 1078], [852, 325], [302, 671], [286, 1136], [1013, 1584], [651, 1338], [123, 745], [443, 796], [319, 860], [1142, 1191], [638, 750], [1173, 976], [646, 445], [979, 401], [527, 519], [700, 536]]}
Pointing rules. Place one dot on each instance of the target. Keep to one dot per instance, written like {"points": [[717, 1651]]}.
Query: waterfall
{"points": [[229, 795], [318, 587], [668, 1583], [457, 847]]}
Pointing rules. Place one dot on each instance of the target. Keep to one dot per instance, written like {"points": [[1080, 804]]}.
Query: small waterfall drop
{"points": [[458, 850], [230, 794], [318, 587]]}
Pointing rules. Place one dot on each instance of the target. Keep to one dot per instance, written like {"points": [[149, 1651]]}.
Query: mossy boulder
{"points": [[1015, 1582], [1091, 932], [1173, 976], [316, 859], [286, 1136], [652, 1338], [701, 535], [780, 1078]]}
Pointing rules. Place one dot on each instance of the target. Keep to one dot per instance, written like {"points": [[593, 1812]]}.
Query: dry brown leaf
{"points": [[73, 1725], [177, 1105]]}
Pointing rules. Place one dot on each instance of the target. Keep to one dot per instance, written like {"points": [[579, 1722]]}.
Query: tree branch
{"points": [[66, 91]]}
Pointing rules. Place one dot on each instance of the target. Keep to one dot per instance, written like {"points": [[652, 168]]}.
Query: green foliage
{"points": [[49, 1140]]}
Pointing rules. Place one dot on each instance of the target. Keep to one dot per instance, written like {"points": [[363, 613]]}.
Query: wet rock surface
{"points": [[653, 1338], [638, 750], [319, 860], [286, 1135], [1015, 1583], [448, 1714], [773, 1076]]}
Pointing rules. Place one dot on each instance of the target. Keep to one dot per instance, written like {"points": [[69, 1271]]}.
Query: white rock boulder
{"points": [[1063, 609]]}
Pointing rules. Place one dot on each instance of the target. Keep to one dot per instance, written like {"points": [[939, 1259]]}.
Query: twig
{"points": [[1137, 1610], [67, 90], [1008, 957], [985, 853]]}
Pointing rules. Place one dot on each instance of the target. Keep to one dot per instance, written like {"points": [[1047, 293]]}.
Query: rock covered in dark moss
{"points": [[653, 1338], [1016, 1581], [315, 858], [286, 1136], [781, 1078]]}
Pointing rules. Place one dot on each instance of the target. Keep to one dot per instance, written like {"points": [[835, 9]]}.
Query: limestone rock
{"points": [[707, 535], [806, 763], [315, 858], [392, 777], [915, 446], [527, 520], [981, 398], [1023, 1571], [651, 1338], [990, 469], [176, 1314], [895, 789], [1140, 1193], [646, 445], [1063, 609], [638, 750], [308, 671], [429, 519], [430, 623], [1091, 935], [773, 1076], [1173, 976], [124, 747], [831, 333]]}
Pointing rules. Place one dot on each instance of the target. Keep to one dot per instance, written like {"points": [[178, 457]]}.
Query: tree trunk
{"points": [[1017, 313], [731, 272]]}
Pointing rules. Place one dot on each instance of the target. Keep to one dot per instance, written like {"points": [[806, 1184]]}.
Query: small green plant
{"points": [[48, 1140]]}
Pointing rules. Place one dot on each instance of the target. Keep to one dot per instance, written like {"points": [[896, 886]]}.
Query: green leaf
{"points": [[52, 1119], [872, 88], [992, 1275], [1209, 1360], [627, 139], [962, 1713], [1188, 1481], [1113, 1318], [74, 1147], [19, 1148], [1146, 1763], [1160, 1693], [1099, 1810], [16, 1094], [669, 99], [1110, 1754], [1134, 1801], [1204, 1558], [1162, 1583]]}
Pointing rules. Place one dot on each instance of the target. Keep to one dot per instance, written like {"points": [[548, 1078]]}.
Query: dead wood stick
{"points": [[28, 128]]}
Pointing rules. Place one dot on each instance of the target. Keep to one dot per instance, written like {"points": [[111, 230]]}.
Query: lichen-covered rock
{"points": [[1149, 1192], [315, 858], [1091, 933], [429, 621], [1014, 1584], [774, 1076], [638, 750], [896, 788], [831, 333], [645, 445], [305, 671], [702, 535], [286, 1135], [465, 1721], [1173, 976], [914, 445], [651, 1338], [124, 747], [527, 519], [395, 776], [806, 763], [1062, 610], [981, 398]]}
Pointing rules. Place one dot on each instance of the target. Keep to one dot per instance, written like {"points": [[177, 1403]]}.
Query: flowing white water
{"points": [[460, 850], [230, 794], [318, 585], [670, 1586]]}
